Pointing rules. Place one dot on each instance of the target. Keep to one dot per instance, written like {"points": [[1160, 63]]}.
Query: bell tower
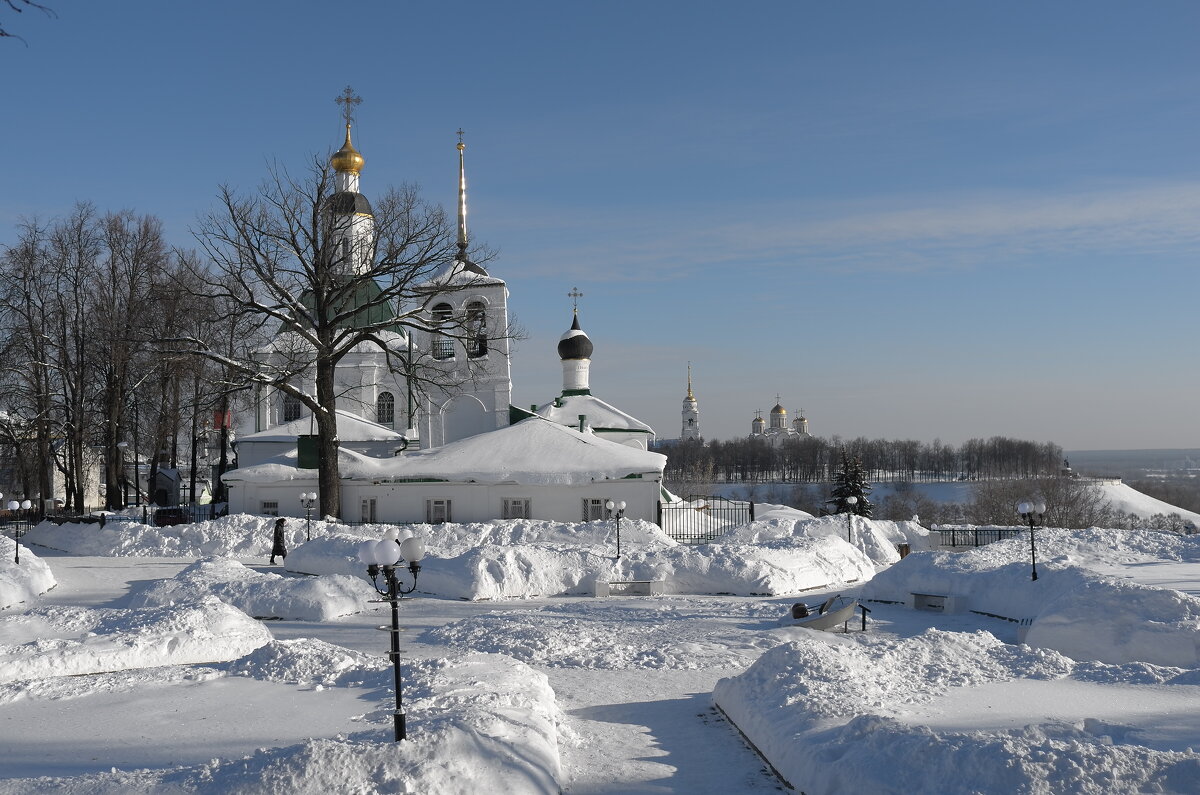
{"points": [[691, 413]]}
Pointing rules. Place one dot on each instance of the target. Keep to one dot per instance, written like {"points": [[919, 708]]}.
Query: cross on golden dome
{"points": [[348, 99]]}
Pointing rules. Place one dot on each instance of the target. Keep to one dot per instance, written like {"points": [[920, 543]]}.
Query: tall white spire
{"points": [[463, 237], [691, 412]]}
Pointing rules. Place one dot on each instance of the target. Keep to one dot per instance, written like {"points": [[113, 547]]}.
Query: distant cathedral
{"points": [[779, 428]]}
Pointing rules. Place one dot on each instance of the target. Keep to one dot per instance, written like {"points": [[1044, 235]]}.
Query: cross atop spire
{"points": [[462, 199], [575, 295], [690, 396], [348, 99]]}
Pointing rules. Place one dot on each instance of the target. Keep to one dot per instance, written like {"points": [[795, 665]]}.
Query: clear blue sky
{"points": [[912, 219]]}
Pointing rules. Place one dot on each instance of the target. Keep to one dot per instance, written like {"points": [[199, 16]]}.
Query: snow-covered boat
{"points": [[833, 611]]}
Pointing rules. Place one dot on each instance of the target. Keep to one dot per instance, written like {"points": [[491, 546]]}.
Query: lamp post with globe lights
{"points": [[15, 506], [850, 503], [616, 510], [308, 499], [381, 558], [1034, 513]]}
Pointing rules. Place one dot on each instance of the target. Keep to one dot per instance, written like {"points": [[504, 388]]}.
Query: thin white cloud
{"points": [[894, 233]]}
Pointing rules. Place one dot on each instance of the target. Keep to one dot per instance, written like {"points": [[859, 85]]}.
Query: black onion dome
{"points": [[349, 203], [575, 344]]}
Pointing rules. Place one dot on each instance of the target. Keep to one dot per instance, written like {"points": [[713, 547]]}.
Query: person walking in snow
{"points": [[277, 544]]}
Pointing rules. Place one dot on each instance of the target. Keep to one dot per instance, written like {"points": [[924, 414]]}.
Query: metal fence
{"points": [[698, 520], [972, 536]]}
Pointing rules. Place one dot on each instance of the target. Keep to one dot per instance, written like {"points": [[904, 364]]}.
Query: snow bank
{"points": [[1077, 611], [877, 539], [829, 713], [259, 594], [111, 640], [21, 582], [508, 572], [237, 535], [481, 723], [517, 560], [1118, 621]]}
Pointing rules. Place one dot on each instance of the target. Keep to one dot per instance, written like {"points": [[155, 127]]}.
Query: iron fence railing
{"points": [[698, 520], [972, 536]]}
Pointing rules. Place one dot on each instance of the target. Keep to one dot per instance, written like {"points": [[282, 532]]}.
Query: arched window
{"points": [[385, 409], [476, 329], [443, 347], [291, 408]]}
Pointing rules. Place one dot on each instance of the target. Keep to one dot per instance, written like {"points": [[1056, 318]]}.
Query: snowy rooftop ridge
{"points": [[351, 428], [566, 410], [532, 452]]}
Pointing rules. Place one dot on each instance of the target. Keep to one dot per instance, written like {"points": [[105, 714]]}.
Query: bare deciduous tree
{"points": [[277, 259]]}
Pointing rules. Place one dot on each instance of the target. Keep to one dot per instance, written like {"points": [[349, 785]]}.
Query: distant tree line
{"points": [[811, 459]]}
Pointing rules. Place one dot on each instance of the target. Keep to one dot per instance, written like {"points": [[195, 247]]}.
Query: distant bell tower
{"points": [[691, 413]]}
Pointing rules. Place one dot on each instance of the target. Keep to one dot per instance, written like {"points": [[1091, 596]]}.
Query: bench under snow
{"points": [[943, 603], [630, 588]]}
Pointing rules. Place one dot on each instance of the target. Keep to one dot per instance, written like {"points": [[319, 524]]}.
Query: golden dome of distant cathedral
{"points": [[347, 160]]}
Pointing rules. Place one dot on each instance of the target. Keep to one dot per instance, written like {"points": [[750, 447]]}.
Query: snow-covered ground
{"points": [[138, 659]]}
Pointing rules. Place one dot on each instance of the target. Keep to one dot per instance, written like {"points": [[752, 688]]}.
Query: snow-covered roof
{"points": [[532, 452], [351, 428], [290, 342], [566, 411]]}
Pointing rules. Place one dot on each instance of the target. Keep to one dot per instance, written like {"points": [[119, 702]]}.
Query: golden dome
{"points": [[778, 409], [347, 160]]}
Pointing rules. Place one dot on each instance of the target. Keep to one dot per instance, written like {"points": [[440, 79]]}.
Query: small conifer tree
{"points": [[851, 481]]}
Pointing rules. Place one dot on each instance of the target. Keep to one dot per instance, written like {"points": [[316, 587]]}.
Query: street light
{"points": [[1032, 512], [850, 503], [308, 499], [616, 509], [15, 506], [124, 476], [381, 556]]}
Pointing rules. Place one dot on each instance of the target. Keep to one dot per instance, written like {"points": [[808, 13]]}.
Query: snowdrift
{"points": [[21, 582], [835, 714], [1081, 613], [207, 630], [259, 594]]}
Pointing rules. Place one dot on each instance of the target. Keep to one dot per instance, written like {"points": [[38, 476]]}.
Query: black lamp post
{"points": [[15, 507], [308, 499], [850, 503], [616, 510], [381, 558], [124, 475], [1032, 512]]}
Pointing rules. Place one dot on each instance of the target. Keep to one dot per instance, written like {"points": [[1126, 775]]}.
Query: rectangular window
{"points": [[270, 508], [368, 510], [437, 511], [443, 348], [593, 509], [516, 508]]}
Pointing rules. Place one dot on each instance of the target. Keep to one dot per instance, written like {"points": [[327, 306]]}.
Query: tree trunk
{"points": [[327, 440]]}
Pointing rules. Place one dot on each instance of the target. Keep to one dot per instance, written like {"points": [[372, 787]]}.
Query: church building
{"points": [[577, 407], [456, 453], [388, 412], [779, 429]]}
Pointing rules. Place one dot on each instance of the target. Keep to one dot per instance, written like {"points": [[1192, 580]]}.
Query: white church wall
{"points": [[405, 503]]}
